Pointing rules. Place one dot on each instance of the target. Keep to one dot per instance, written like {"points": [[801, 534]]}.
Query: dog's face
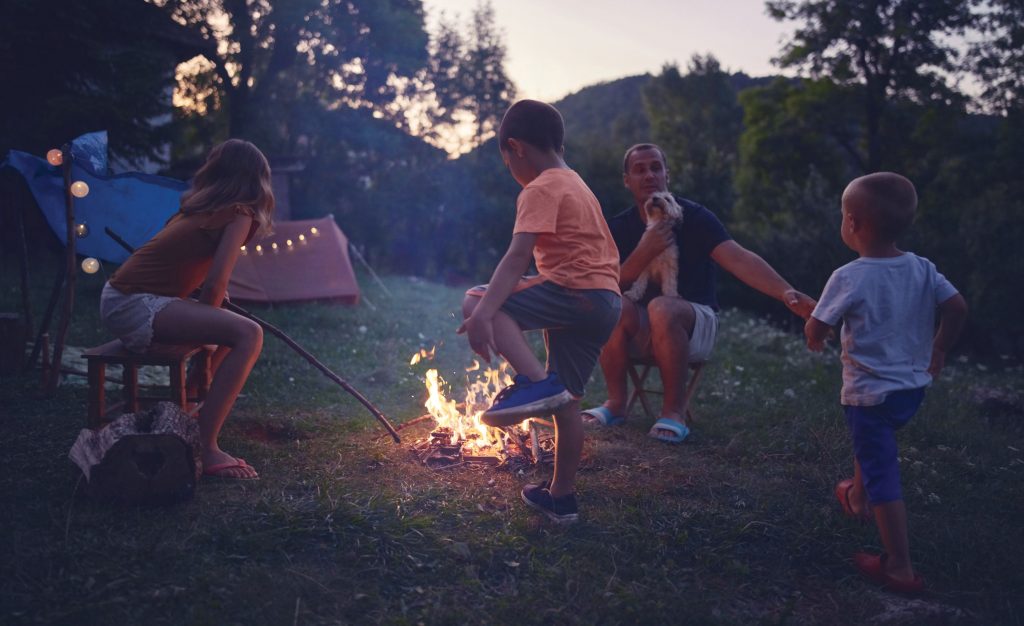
{"points": [[661, 205]]}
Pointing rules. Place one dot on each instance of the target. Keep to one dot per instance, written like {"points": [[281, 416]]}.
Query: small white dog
{"points": [[664, 268]]}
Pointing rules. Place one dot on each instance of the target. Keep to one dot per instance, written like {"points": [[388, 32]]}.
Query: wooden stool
{"points": [[174, 357], [640, 392]]}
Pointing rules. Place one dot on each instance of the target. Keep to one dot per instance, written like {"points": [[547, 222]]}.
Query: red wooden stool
{"points": [[174, 357]]}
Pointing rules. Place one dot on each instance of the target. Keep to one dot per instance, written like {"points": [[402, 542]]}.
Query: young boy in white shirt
{"points": [[887, 300]]}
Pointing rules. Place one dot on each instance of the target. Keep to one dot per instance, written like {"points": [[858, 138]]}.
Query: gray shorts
{"points": [[129, 316], [576, 324], [705, 330]]}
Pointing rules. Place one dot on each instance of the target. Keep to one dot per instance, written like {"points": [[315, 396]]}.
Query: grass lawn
{"points": [[736, 526]]}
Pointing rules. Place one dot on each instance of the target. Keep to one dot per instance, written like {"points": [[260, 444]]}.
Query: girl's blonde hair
{"points": [[235, 172]]}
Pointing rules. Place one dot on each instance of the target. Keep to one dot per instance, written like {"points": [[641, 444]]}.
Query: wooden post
{"points": [[69, 283], [97, 393], [130, 378]]}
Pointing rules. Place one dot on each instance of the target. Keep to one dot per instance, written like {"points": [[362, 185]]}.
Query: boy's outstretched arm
{"points": [[479, 327], [816, 332], [952, 315]]}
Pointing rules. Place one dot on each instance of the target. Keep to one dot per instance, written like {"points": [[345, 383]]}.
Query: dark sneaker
{"points": [[559, 510], [524, 399]]}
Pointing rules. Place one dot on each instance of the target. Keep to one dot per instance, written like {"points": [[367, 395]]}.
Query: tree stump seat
{"points": [[174, 357]]}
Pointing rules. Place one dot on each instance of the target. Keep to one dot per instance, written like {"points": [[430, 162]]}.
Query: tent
{"points": [[302, 260]]}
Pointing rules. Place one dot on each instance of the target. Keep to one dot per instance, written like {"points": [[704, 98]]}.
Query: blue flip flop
{"points": [[663, 424], [602, 416]]}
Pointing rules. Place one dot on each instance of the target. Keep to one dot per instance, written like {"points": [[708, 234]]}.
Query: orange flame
{"points": [[465, 425], [423, 354]]}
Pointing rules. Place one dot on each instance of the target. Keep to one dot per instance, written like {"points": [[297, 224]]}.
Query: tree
{"points": [[267, 56], [891, 48], [997, 57], [465, 87], [489, 91], [697, 121], [71, 67]]}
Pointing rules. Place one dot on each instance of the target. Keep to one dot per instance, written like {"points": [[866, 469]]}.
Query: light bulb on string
{"points": [[273, 247], [55, 157], [259, 249], [81, 230], [289, 243], [79, 189], [244, 251], [90, 265], [302, 239], [313, 231]]}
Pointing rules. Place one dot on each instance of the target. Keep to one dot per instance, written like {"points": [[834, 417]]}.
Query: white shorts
{"points": [[705, 329], [129, 317]]}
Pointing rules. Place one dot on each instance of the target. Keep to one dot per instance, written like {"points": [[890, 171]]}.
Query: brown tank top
{"points": [[175, 261]]}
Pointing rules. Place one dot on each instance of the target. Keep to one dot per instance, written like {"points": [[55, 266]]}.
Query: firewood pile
{"points": [[521, 449]]}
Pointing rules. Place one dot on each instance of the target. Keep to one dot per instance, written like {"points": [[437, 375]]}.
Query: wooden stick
{"points": [[69, 283], [277, 332]]}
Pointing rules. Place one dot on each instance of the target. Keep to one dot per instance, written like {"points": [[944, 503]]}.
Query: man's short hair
{"points": [[888, 203], [642, 146], [537, 123]]}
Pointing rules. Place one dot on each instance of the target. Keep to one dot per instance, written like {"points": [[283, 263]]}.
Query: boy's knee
{"points": [[469, 304]]}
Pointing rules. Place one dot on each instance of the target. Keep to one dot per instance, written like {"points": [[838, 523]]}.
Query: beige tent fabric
{"points": [[316, 265]]}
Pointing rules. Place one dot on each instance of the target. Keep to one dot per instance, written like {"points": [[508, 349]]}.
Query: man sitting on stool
{"points": [[673, 330]]}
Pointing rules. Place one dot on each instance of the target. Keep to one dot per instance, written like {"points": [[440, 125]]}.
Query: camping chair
{"points": [[641, 393]]}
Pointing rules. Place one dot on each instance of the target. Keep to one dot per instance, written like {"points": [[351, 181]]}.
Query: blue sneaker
{"points": [[559, 510], [523, 399]]}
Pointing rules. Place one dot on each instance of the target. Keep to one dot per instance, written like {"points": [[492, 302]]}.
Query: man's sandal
{"points": [[601, 416]]}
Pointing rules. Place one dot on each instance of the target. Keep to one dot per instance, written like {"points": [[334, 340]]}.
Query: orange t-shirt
{"points": [[176, 260], [574, 247]]}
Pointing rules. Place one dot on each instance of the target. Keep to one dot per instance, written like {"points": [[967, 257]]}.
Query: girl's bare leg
{"points": [[242, 339]]}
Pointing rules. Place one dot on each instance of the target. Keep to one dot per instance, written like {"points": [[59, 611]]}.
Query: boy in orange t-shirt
{"points": [[575, 299]]}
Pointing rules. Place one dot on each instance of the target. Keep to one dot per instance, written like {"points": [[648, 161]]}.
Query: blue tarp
{"points": [[133, 205]]}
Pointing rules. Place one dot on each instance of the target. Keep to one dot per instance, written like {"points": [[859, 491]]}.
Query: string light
{"points": [[313, 231], [79, 189], [244, 251], [81, 230], [302, 239], [90, 265], [259, 249], [55, 157], [289, 242], [273, 247]]}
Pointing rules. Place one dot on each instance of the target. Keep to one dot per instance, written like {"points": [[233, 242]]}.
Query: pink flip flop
{"points": [[872, 566]]}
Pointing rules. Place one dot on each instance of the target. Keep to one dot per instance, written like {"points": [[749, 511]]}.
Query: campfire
{"points": [[460, 438]]}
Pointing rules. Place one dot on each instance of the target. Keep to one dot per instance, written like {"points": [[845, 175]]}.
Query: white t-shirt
{"points": [[888, 310]]}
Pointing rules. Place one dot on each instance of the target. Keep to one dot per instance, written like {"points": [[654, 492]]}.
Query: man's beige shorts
{"points": [[705, 329]]}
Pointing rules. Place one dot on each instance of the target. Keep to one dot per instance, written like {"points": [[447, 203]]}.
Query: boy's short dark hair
{"points": [[890, 203], [642, 146], [537, 123]]}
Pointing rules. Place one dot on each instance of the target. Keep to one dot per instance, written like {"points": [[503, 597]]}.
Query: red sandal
{"points": [[872, 566]]}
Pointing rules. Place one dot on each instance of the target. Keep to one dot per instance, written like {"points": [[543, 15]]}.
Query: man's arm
{"points": [[952, 315], [756, 273], [479, 327]]}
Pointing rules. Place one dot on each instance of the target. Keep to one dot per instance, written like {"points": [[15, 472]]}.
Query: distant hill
{"points": [[613, 109]]}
